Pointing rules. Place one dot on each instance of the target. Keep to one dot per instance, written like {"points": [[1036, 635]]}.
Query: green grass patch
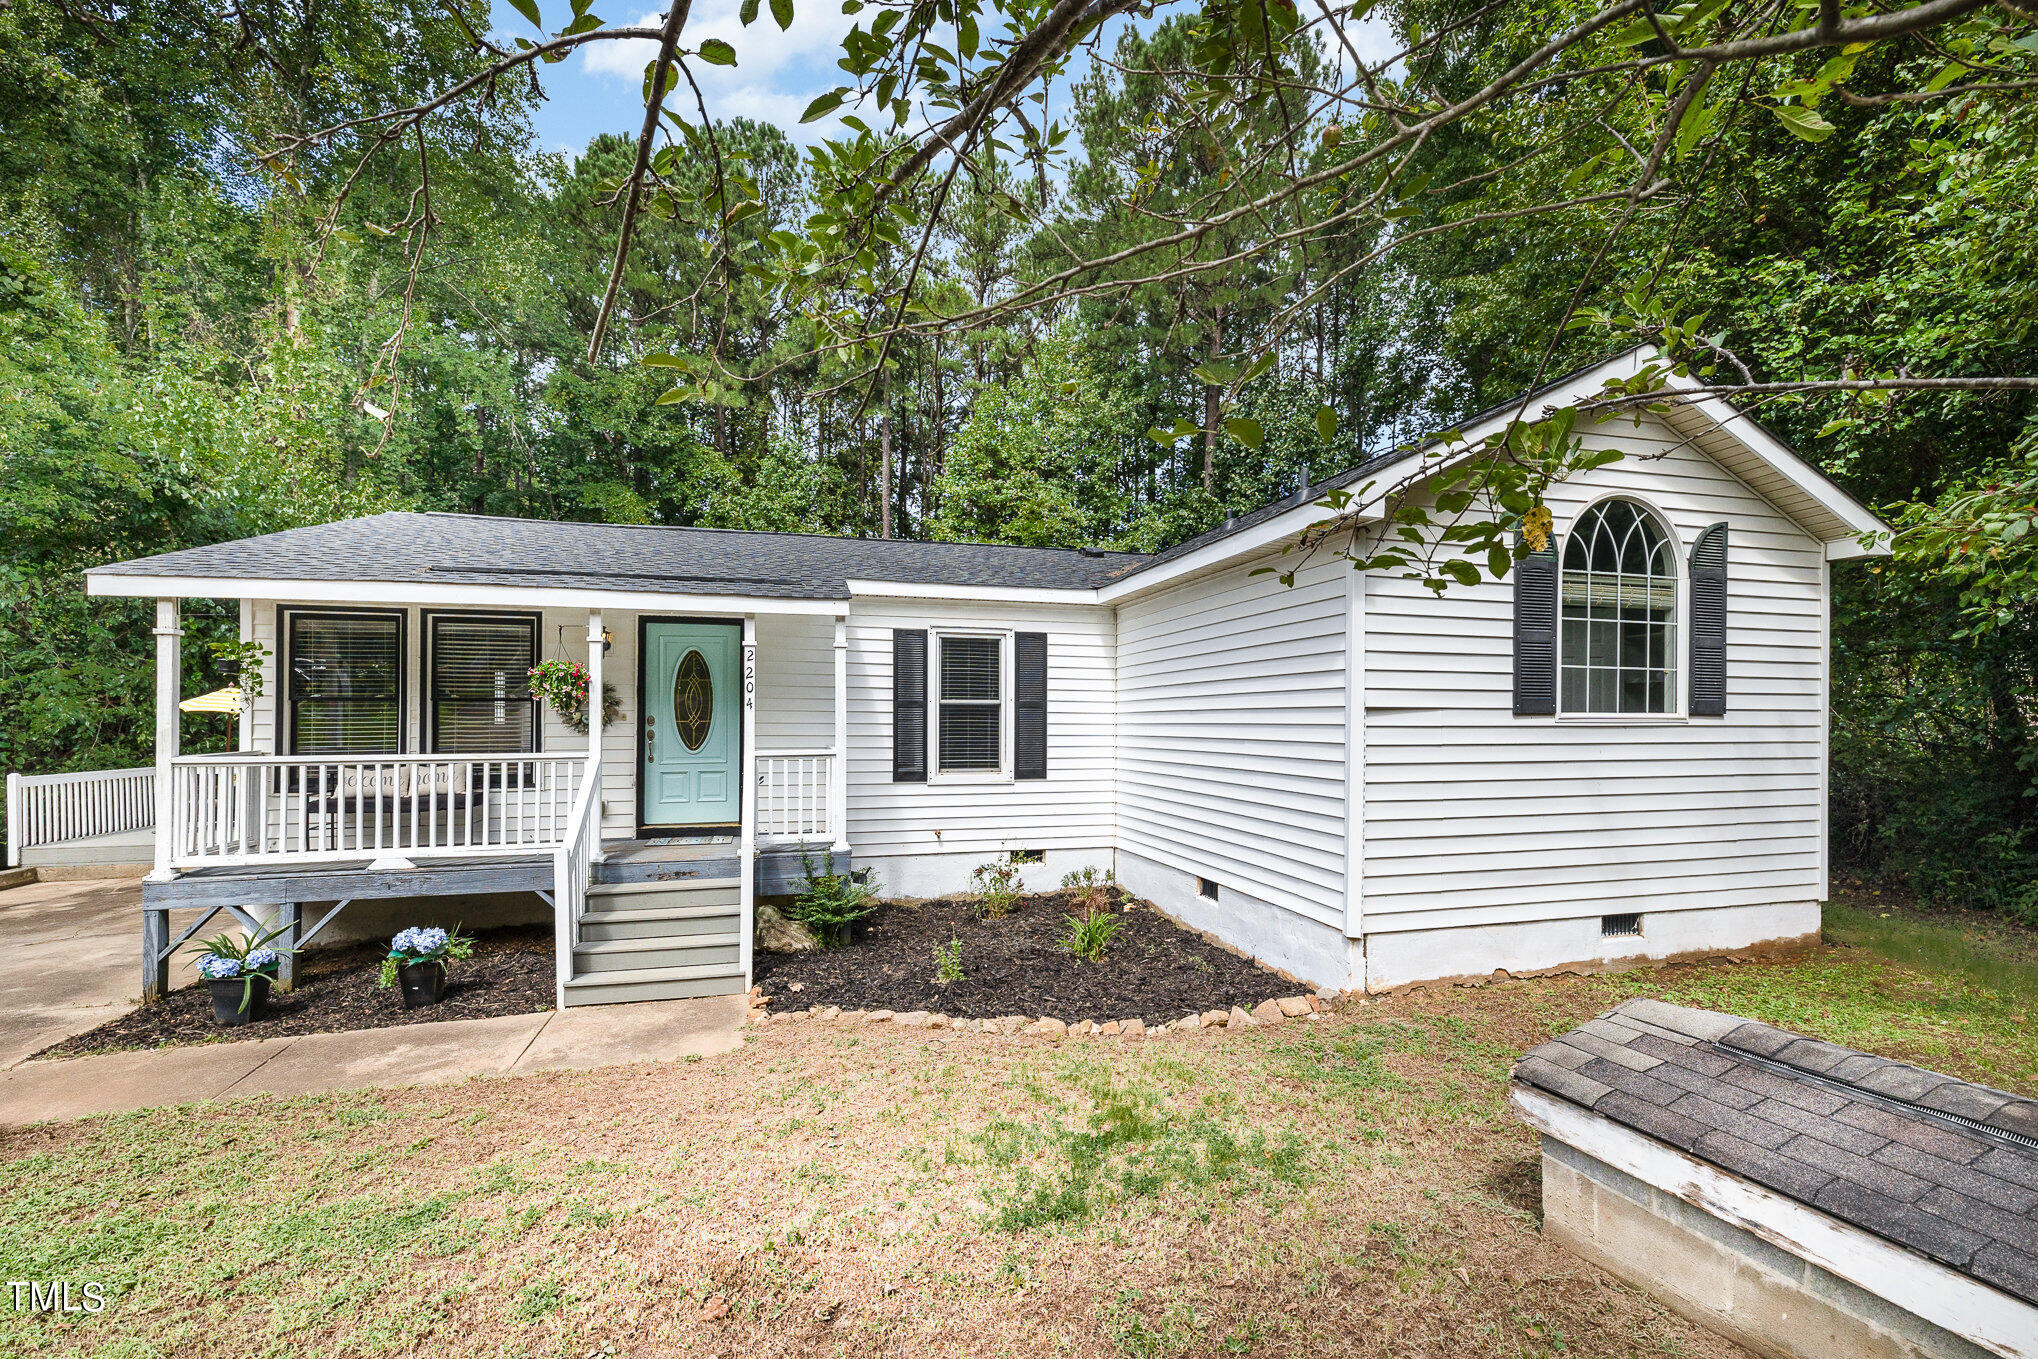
{"points": [[1129, 1145], [1919, 987]]}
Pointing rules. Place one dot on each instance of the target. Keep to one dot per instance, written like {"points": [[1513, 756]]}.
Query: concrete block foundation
{"points": [[1722, 1276]]}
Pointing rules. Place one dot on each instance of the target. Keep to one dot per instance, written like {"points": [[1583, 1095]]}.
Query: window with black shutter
{"points": [[345, 686], [1709, 623], [478, 669], [971, 716]]}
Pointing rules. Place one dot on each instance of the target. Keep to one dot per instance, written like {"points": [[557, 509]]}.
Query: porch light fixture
{"points": [[608, 641]]}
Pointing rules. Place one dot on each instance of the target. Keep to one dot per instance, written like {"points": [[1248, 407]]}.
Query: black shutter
{"points": [[1535, 634], [909, 705], [1709, 623], [1029, 715]]}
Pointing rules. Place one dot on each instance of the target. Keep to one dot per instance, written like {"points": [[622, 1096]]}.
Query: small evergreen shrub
{"points": [[832, 906]]}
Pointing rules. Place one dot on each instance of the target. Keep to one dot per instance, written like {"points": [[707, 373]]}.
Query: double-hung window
{"points": [[345, 689], [970, 695], [479, 683]]}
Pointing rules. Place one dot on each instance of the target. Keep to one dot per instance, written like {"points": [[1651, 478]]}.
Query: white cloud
{"points": [[776, 75]]}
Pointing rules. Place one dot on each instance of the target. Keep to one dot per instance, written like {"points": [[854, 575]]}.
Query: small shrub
{"points": [[1091, 889], [832, 906], [996, 886], [1089, 934], [948, 961]]}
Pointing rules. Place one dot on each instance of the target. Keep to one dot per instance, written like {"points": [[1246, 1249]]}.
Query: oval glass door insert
{"points": [[693, 700]]}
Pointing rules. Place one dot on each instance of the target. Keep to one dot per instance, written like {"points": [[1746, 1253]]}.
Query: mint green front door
{"points": [[693, 731]]}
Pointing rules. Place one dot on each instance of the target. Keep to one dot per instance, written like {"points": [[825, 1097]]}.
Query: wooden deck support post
{"points": [[289, 919], [155, 954]]}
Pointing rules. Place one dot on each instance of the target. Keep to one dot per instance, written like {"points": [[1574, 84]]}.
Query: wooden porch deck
{"points": [[285, 889]]}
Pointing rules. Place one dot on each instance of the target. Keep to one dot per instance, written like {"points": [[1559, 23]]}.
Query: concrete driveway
{"points": [[70, 958]]}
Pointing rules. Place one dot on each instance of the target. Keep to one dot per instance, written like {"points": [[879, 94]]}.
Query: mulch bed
{"points": [[1155, 970], [511, 973]]}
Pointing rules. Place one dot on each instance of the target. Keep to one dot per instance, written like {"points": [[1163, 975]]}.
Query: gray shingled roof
{"points": [[537, 553], [1919, 1158]]}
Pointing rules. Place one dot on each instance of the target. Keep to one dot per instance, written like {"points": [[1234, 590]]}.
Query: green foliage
{"points": [[996, 888], [1131, 1146], [832, 905], [948, 961], [1036, 460], [1088, 933], [246, 660]]}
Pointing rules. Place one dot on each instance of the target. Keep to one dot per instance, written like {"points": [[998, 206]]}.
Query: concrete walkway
{"points": [[68, 962]]}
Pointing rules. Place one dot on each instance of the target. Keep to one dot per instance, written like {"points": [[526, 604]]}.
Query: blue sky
{"points": [[600, 87]]}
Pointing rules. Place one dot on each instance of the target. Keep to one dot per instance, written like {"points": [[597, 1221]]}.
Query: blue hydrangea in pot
{"points": [[239, 973], [417, 961]]}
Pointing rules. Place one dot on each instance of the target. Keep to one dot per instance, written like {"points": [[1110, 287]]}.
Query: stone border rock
{"points": [[1267, 1012]]}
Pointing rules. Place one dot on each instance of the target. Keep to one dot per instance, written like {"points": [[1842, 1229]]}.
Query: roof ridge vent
{"points": [[1091, 551]]}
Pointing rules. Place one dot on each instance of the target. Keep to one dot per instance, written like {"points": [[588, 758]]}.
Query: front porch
{"points": [[292, 838]]}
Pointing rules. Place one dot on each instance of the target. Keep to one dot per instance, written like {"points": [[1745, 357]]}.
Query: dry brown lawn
{"points": [[1352, 1186]]}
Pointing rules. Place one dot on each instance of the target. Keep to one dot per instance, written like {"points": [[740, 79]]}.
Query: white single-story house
{"points": [[1619, 752]]}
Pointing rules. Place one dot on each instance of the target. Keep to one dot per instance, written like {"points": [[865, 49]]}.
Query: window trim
{"points": [[937, 640], [286, 618], [1680, 576], [428, 702]]}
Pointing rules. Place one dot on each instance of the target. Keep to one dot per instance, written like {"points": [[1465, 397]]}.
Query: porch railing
{"points": [[45, 808], [796, 795], [572, 866], [238, 809]]}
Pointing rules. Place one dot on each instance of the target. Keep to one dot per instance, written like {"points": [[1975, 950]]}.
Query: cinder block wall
{"points": [[1722, 1277]]}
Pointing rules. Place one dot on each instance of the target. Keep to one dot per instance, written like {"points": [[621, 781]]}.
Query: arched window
{"points": [[1618, 651]]}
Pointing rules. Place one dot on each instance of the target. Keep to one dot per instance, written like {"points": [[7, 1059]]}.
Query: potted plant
{"points": [[239, 973], [562, 686], [417, 959]]}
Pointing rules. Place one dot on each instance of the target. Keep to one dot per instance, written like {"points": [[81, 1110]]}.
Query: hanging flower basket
{"points": [[562, 685]]}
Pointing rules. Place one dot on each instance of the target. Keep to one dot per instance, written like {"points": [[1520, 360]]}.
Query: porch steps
{"points": [[654, 983], [660, 940]]}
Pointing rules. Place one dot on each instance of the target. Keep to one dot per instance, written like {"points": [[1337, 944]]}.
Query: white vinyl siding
{"points": [[1474, 816], [795, 692], [1069, 809], [1231, 720]]}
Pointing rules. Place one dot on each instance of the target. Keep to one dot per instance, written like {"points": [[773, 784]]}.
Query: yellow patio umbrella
{"points": [[227, 700]]}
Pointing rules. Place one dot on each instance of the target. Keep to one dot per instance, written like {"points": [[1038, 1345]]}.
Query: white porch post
{"points": [[746, 858], [169, 688], [246, 738], [594, 715], [838, 770]]}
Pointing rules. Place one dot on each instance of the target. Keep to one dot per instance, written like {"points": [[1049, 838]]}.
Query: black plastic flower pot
{"points": [[235, 1003], [422, 984]]}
